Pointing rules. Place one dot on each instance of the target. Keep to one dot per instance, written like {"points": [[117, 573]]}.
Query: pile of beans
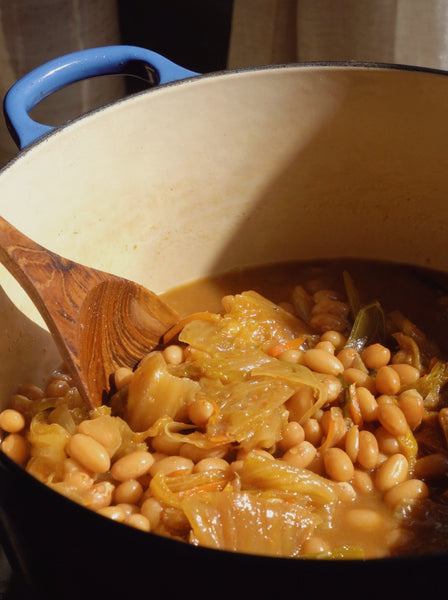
{"points": [[368, 448]]}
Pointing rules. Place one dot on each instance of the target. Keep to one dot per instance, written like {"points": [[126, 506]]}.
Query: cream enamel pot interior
{"points": [[198, 177]]}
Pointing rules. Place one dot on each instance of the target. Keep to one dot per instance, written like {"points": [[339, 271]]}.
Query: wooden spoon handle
{"points": [[99, 321], [51, 281], [56, 285]]}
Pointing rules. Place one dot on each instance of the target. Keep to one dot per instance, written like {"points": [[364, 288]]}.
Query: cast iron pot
{"points": [[193, 178]]}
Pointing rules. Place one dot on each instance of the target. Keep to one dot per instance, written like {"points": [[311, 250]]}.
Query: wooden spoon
{"points": [[99, 321]]}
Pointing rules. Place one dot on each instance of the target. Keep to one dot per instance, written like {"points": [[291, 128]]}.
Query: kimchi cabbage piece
{"points": [[267, 506]]}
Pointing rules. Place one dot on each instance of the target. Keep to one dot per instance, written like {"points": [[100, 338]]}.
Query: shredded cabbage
{"points": [[431, 384], [154, 392], [47, 442], [252, 321], [250, 523], [259, 472], [172, 489]]}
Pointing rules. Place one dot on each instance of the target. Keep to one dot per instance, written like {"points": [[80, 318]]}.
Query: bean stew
{"points": [[296, 410]]}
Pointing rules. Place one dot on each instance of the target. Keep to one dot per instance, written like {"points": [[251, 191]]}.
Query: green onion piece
{"points": [[430, 385], [369, 326]]}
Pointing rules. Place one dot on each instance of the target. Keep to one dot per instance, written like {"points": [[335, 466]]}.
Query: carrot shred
{"points": [[211, 486], [219, 439], [330, 437], [177, 327], [281, 347], [354, 408]]}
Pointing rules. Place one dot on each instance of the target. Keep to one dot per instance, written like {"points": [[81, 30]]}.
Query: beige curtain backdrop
{"points": [[413, 32], [35, 31]]}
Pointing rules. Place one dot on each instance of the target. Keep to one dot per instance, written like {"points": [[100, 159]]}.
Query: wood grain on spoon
{"points": [[99, 321]]}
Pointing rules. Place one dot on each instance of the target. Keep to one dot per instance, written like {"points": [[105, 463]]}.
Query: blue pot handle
{"points": [[56, 74]]}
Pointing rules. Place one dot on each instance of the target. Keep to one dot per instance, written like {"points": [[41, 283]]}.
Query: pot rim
{"points": [[247, 70]]}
